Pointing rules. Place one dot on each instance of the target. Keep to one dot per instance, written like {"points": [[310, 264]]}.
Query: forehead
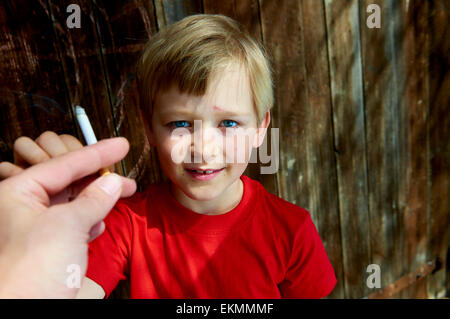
{"points": [[228, 90]]}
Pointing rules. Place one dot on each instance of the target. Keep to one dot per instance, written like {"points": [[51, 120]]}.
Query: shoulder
{"points": [[278, 209], [136, 205], [290, 225]]}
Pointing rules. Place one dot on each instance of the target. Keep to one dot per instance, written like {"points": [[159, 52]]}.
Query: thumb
{"points": [[95, 202]]}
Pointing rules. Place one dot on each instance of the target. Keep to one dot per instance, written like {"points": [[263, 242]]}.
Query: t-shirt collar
{"points": [[192, 221]]}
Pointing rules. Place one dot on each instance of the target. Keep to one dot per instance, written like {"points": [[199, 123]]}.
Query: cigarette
{"points": [[88, 132]]}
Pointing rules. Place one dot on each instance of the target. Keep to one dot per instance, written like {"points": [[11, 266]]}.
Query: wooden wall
{"points": [[363, 114]]}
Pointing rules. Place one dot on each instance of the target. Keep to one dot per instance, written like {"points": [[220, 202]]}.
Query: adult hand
{"points": [[41, 241], [29, 152]]}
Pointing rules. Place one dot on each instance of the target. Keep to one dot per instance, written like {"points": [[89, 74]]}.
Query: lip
{"points": [[204, 177]]}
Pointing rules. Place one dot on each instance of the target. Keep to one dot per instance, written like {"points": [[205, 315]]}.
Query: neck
{"points": [[222, 204]]}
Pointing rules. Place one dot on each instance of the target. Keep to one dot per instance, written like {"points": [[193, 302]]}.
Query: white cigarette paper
{"points": [[87, 131], [85, 126]]}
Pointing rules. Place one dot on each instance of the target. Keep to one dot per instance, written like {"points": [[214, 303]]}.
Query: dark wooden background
{"points": [[363, 114]]}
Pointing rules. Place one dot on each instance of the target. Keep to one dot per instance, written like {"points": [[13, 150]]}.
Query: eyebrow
{"points": [[221, 112]]}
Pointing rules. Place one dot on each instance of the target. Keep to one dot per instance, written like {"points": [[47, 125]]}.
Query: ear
{"points": [[146, 120], [262, 130]]}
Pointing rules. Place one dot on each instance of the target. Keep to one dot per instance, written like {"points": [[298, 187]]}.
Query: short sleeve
{"points": [[108, 253], [309, 273]]}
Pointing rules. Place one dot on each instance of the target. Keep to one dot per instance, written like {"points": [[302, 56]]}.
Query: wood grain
{"points": [[439, 139], [33, 97], [344, 54], [170, 11], [245, 12], [319, 137], [381, 99], [413, 54], [84, 68]]}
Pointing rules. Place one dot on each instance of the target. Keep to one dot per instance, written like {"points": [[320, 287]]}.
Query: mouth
{"points": [[204, 174]]}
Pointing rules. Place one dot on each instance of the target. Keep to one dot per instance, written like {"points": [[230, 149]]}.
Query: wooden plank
{"points": [[344, 54], [319, 136], [439, 141], [411, 43], [124, 28], [170, 11], [382, 98], [33, 97], [245, 12], [84, 69]]}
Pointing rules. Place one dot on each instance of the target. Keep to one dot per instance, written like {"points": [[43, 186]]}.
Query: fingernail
{"points": [[110, 183]]}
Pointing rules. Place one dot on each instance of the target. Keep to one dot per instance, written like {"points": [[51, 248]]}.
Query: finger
{"points": [[8, 169], [71, 142], [27, 151], [96, 230], [128, 186], [57, 173], [71, 192], [51, 144], [95, 201]]}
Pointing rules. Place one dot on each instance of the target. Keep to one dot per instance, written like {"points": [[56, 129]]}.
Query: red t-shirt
{"points": [[265, 247]]}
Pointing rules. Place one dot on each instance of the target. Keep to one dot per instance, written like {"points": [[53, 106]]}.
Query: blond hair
{"points": [[189, 52]]}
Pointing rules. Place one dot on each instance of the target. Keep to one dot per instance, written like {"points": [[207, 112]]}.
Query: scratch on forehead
{"points": [[217, 108]]}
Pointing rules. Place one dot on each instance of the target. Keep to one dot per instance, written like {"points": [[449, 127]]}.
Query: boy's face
{"points": [[213, 134]]}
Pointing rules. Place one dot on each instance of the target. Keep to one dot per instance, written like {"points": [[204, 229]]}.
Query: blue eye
{"points": [[180, 124], [229, 123]]}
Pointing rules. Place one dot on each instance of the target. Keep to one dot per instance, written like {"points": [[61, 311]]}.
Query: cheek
{"points": [[238, 148], [173, 150]]}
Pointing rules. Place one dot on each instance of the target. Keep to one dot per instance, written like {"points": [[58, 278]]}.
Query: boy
{"points": [[209, 232]]}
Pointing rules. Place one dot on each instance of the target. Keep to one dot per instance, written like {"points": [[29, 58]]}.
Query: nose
{"points": [[207, 145]]}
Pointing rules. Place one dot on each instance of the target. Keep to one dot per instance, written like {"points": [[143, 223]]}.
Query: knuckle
{"points": [[94, 198]]}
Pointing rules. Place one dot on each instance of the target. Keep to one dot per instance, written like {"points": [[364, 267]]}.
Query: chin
{"points": [[201, 193]]}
